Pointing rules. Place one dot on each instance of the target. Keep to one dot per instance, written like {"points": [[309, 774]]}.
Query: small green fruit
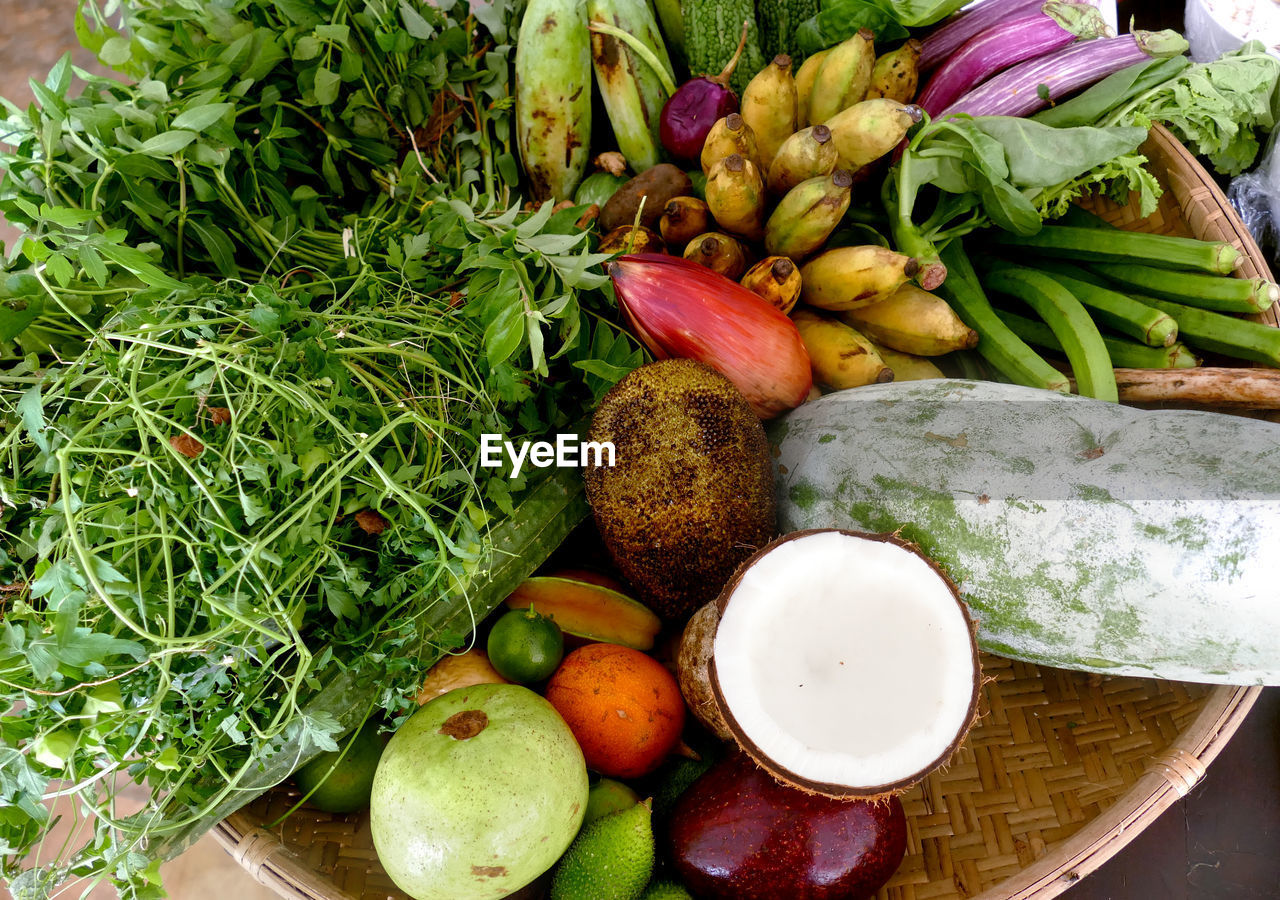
{"points": [[343, 785], [665, 890], [610, 859], [608, 796], [525, 646]]}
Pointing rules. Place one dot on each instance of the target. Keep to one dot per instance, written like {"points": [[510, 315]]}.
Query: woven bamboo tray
{"points": [[1061, 771]]}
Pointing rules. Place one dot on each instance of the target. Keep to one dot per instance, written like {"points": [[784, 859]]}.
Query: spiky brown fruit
{"points": [[690, 495]]}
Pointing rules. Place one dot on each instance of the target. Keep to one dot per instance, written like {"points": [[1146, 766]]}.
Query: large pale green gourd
{"points": [[1083, 534]]}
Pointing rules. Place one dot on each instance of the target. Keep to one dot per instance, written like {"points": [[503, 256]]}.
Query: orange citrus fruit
{"points": [[623, 707]]}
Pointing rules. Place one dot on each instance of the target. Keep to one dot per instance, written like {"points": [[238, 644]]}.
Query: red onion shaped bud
{"points": [[681, 309]]}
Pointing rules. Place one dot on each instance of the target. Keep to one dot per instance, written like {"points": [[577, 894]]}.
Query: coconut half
{"points": [[843, 663]]}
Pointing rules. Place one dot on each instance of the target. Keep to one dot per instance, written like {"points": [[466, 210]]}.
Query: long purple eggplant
{"points": [[1018, 91], [952, 34], [1001, 46]]}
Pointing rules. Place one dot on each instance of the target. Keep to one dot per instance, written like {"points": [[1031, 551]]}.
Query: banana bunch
{"points": [[780, 175]]}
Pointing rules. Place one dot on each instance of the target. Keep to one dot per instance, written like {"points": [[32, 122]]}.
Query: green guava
{"points": [[477, 794]]}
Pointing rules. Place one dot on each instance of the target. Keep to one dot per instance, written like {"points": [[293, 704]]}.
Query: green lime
{"points": [[525, 646], [343, 786]]}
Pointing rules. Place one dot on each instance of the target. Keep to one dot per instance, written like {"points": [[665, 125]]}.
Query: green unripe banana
{"points": [[844, 76], [553, 96], [632, 90], [806, 216]]}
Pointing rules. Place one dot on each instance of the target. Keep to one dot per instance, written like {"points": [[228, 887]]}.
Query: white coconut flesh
{"points": [[846, 661]]}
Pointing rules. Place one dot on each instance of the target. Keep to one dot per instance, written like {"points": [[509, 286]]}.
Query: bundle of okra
{"points": [[1104, 297]]}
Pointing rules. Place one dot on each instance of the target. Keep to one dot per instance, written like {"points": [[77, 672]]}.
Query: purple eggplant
{"points": [[1019, 39], [699, 103], [1029, 86], [956, 31]]}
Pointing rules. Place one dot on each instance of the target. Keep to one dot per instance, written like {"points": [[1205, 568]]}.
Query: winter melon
{"points": [[1083, 534]]}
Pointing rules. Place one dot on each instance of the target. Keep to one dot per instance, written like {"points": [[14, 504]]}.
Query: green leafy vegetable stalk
{"points": [[994, 170]]}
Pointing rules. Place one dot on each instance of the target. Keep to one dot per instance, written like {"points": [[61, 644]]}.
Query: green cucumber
{"points": [[1084, 535], [1061, 311]]}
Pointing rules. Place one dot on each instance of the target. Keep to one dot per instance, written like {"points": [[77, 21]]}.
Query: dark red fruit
{"points": [[737, 834], [689, 113]]}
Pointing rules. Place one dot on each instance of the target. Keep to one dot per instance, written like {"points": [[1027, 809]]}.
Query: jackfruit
{"points": [[690, 494]]}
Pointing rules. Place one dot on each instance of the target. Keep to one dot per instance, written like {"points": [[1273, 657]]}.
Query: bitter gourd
{"points": [[779, 20], [711, 34]]}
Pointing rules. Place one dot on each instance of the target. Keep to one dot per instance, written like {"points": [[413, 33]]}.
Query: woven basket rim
{"points": [[1173, 773]]}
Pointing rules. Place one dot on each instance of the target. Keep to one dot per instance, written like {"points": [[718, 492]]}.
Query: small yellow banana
{"points": [[896, 75], [805, 76], [629, 239], [809, 153], [841, 357], [683, 219], [719, 253], [868, 130], [804, 219], [843, 78], [728, 136], [776, 279], [735, 195], [769, 108], [907, 367], [853, 277], [913, 321]]}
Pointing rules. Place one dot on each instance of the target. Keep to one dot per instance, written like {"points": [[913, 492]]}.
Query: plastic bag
{"points": [[1255, 195], [1214, 27]]}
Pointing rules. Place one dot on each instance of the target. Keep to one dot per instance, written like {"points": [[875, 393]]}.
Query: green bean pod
{"points": [[1124, 353], [1217, 333], [1007, 353], [1118, 245], [1213, 292], [1113, 309], [1062, 312]]}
